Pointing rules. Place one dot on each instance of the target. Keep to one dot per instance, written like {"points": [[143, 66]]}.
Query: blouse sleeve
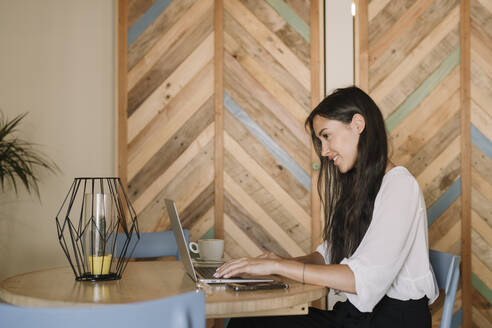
{"points": [[387, 242], [323, 250]]}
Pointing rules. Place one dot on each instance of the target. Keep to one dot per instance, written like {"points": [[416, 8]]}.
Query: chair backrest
{"points": [[185, 310], [152, 244], [447, 271]]}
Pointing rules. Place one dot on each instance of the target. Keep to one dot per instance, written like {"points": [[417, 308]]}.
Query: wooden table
{"points": [[143, 281]]}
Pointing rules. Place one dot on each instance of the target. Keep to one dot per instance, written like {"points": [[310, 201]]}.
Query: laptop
{"points": [[197, 272]]}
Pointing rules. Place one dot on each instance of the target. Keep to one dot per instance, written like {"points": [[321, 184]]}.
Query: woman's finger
{"points": [[230, 266], [230, 271]]}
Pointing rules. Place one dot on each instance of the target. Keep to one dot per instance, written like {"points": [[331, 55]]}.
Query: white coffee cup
{"points": [[209, 249]]}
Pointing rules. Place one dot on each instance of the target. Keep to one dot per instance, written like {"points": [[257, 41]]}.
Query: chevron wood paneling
{"points": [[174, 125], [481, 137], [170, 114], [267, 151], [414, 76]]}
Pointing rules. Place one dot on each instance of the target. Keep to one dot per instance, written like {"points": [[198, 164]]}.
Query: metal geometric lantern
{"points": [[95, 225]]}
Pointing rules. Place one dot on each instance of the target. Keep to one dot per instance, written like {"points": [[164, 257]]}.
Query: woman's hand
{"points": [[245, 265]]}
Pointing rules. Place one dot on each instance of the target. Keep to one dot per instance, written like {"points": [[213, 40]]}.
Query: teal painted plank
{"points": [[481, 141], [148, 18], [209, 234], [481, 288], [416, 97], [444, 202], [291, 17], [273, 148]]}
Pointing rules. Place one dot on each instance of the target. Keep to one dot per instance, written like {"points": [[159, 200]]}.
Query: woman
{"points": [[375, 246]]}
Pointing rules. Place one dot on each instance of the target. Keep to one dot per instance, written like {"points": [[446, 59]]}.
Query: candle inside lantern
{"points": [[100, 264], [99, 261]]}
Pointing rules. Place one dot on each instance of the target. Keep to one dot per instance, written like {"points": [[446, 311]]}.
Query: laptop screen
{"points": [[180, 239]]}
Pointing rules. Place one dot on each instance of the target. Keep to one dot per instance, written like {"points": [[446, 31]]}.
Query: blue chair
{"points": [[152, 244], [447, 271], [180, 311]]}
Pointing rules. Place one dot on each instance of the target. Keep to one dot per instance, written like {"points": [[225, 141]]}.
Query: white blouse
{"points": [[393, 256]]}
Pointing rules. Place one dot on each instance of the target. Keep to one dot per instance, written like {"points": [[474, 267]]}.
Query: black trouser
{"points": [[388, 312]]}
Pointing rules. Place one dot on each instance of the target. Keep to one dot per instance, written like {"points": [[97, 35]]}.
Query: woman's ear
{"points": [[358, 123]]}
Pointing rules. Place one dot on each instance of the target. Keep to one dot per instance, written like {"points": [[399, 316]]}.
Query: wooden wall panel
{"points": [[414, 76], [267, 88], [481, 161], [216, 97], [429, 71], [170, 114]]}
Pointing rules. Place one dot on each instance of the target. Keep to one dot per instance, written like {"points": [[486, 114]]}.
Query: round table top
{"points": [[141, 281], [144, 281]]}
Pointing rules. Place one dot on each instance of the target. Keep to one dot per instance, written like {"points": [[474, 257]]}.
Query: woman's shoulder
{"points": [[398, 171], [399, 175], [399, 184]]}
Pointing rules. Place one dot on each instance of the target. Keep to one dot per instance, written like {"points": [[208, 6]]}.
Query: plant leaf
{"points": [[18, 159]]}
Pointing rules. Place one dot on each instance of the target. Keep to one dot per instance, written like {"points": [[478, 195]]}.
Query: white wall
{"points": [[57, 63], [339, 46]]}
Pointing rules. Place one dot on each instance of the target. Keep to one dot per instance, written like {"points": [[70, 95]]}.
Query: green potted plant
{"points": [[19, 161]]}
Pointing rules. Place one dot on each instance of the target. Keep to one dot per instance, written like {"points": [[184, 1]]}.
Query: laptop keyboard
{"points": [[206, 272]]}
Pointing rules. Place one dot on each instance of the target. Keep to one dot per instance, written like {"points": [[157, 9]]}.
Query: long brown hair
{"points": [[348, 199]]}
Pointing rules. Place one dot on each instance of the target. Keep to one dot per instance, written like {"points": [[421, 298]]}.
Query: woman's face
{"points": [[339, 140]]}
